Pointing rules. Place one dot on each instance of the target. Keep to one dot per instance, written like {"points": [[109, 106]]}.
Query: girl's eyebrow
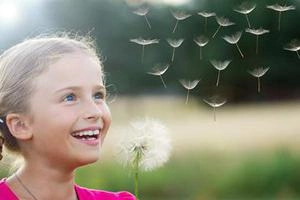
{"points": [[78, 88]]}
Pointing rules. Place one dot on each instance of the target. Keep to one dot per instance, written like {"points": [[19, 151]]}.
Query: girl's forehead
{"points": [[72, 69], [76, 61], [77, 55]]}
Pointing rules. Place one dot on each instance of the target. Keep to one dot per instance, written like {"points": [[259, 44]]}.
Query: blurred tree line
{"points": [[113, 24]]}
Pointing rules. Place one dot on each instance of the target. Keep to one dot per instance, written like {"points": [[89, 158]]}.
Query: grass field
{"points": [[239, 128]]}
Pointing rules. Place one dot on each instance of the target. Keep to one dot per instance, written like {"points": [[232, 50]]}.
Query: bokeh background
{"points": [[252, 149]]}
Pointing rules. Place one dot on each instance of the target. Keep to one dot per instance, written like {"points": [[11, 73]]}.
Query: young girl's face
{"points": [[70, 117]]}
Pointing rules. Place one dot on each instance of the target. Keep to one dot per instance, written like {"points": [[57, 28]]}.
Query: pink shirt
{"points": [[83, 193]]}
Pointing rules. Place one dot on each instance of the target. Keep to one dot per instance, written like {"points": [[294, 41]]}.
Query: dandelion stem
{"points": [[136, 172], [216, 31], [136, 184], [147, 21], [215, 118], [173, 54], [143, 50], [298, 54], [218, 77], [279, 20], [249, 25], [258, 84], [175, 26], [200, 53], [239, 50], [162, 80], [187, 96], [256, 50], [205, 25]]}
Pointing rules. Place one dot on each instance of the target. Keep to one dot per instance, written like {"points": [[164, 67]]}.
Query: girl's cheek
{"points": [[108, 114]]}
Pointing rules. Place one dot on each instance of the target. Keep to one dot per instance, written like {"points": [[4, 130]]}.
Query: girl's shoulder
{"points": [[5, 191], [83, 193], [93, 194]]}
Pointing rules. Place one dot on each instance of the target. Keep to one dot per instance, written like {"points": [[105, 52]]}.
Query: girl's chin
{"points": [[87, 159]]}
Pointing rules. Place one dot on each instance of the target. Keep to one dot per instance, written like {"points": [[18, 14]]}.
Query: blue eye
{"points": [[70, 97], [99, 95]]}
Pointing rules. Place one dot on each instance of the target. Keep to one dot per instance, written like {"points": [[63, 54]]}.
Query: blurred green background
{"points": [[250, 152]]}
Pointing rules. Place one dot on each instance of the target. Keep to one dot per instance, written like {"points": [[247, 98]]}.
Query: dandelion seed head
{"points": [[201, 40], [222, 21], [206, 14], [280, 8], [189, 85], [293, 45], [180, 15], [215, 101], [220, 65], [144, 42], [175, 43], [151, 138], [141, 11], [234, 38], [159, 69], [259, 72], [245, 8], [259, 31]]}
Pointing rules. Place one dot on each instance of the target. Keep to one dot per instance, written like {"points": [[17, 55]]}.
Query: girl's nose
{"points": [[92, 111]]}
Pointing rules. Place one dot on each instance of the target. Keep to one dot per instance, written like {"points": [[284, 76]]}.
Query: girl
{"points": [[53, 113]]}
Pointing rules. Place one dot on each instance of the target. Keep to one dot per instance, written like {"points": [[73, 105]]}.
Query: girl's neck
{"points": [[44, 182]]}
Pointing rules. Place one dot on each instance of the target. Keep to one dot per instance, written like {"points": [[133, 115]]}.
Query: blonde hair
{"points": [[20, 64]]}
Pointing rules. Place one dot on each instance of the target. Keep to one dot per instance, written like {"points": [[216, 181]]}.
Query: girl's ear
{"points": [[18, 126]]}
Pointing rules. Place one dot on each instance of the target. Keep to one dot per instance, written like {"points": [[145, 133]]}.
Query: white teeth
{"points": [[86, 133], [91, 133]]}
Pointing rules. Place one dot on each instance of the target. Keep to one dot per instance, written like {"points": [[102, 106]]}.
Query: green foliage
{"points": [[209, 175], [263, 176]]}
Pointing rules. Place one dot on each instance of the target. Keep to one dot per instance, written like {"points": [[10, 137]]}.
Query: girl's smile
{"points": [[88, 136]]}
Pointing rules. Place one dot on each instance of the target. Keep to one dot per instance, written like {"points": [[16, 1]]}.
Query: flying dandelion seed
{"points": [[201, 41], [293, 45], [259, 72], [223, 22], [189, 85], [144, 43], [220, 65], [159, 70], [257, 32], [179, 16], [234, 39], [143, 12], [278, 8], [215, 102], [145, 146], [206, 15], [245, 8], [175, 44]]}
